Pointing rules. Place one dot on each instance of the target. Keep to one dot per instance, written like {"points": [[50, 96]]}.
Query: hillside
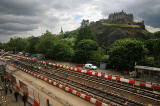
{"points": [[107, 33]]}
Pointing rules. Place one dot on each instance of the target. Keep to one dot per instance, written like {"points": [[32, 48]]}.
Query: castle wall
{"points": [[121, 18]]}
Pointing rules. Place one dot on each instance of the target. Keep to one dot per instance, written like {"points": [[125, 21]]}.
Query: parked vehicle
{"points": [[26, 54], [20, 53], [90, 66]]}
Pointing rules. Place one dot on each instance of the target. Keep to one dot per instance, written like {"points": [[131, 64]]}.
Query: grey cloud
{"points": [[16, 27], [148, 10], [17, 16], [7, 18], [4, 38], [20, 16], [6, 33], [26, 15], [22, 7]]}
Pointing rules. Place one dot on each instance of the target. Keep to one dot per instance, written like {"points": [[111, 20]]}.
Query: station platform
{"points": [[41, 91]]}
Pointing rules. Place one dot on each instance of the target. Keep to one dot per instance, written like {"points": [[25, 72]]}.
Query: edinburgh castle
{"points": [[122, 18]]}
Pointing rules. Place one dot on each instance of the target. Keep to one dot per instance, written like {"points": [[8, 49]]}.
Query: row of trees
{"points": [[80, 46]]}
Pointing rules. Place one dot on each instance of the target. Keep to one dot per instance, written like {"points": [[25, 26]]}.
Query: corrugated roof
{"points": [[147, 68]]}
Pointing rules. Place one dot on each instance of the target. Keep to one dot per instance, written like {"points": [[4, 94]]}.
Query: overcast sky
{"points": [[33, 17]]}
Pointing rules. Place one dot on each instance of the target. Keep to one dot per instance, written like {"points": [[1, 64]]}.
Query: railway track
{"points": [[60, 73], [121, 86], [104, 96]]}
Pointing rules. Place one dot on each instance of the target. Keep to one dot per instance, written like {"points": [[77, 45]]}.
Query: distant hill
{"points": [[107, 33]]}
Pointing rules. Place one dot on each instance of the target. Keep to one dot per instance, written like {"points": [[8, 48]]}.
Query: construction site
{"points": [[49, 84]]}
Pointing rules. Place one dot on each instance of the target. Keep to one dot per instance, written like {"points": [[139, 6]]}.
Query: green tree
{"points": [[124, 53], [157, 34], [46, 44], [62, 51], [98, 55], [85, 32], [149, 45], [31, 48], [17, 44], [84, 50], [69, 34], [2, 46], [156, 49]]}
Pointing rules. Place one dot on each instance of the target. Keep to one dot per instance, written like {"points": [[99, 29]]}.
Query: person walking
{"points": [[10, 90], [24, 98], [47, 102], [16, 95], [6, 90]]}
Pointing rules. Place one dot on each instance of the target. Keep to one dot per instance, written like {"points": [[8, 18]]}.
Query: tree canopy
{"points": [[17, 44], [85, 32], [156, 49], [157, 34], [125, 53], [84, 50]]}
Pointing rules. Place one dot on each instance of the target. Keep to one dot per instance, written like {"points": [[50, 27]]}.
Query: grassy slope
{"points": [[121, 25], [108, 33]]}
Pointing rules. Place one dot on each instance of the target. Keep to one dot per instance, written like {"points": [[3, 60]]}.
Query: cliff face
{"points": [[106, 33]]}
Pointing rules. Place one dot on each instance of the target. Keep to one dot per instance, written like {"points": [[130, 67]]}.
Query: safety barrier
{"points": [[33, 96], [63, 87], [30, 98], [110, 77]]}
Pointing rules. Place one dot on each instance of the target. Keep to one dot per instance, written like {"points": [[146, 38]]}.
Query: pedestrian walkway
{"points": [[7, 97], [11, 101]]}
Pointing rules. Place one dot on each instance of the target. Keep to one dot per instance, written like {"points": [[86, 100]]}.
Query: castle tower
{"points": [[121, 18]]}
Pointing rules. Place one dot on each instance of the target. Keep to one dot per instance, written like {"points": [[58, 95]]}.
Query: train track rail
{"points": [[104, 96], [60, 73], [120, 86], [113, 78]]}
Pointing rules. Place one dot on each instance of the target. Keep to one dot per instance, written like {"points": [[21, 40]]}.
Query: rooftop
{"points": [[147, 68]]}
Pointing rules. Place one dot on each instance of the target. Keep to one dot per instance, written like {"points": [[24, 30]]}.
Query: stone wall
{"points": [[121, 18]]}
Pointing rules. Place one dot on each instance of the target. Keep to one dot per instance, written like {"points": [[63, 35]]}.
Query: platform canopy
{"points": [[147, 68]]}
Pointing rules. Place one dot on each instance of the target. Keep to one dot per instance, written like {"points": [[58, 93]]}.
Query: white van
{"points": [[90, 66], [20, 53]]}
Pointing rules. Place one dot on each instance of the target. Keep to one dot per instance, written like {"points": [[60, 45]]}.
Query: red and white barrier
{"points": [[110, 77], [30, 98], [118, 79], [132, 82], [64, 87]]}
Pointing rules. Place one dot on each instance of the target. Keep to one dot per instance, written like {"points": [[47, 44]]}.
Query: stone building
{"points": [[121, 18]]}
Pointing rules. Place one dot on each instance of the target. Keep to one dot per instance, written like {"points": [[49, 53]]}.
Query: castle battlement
{"points": [[122, 18]]}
